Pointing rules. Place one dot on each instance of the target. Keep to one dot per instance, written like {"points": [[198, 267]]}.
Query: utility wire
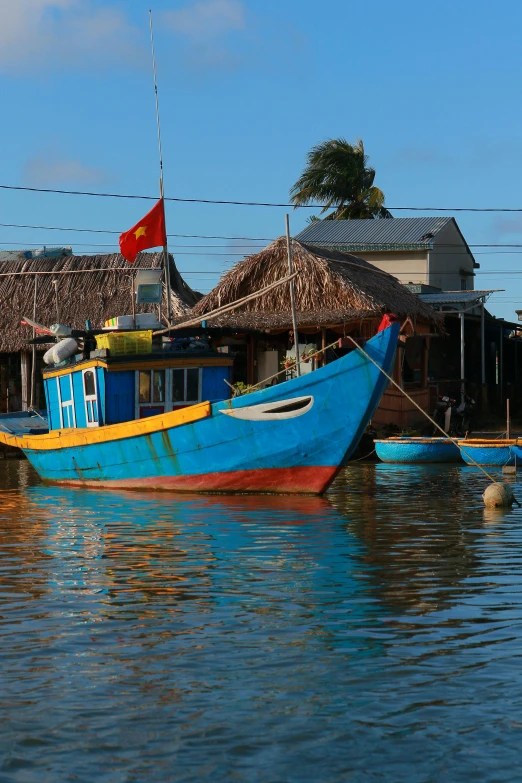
{"points": [[245, 239], [246, 203]]}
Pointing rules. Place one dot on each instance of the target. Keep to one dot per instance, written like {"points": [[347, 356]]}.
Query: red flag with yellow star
{"points": [[149, 232]]}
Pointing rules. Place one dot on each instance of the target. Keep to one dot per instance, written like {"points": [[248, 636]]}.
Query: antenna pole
{"points": [[165, 248], [292, 295]]}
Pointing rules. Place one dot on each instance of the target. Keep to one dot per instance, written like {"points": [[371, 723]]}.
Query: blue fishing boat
{"points": [[489, 452], [163, 421], [413, 450]]}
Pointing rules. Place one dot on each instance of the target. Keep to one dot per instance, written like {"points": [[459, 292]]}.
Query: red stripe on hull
{"points": [[311, 480]]}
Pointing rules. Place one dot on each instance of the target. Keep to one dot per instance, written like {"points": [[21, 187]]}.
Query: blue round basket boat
{"points": [[416, 450], [489, 452]]}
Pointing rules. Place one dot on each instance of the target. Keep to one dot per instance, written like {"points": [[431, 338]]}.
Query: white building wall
{"points": [[448, 257], [408, 266]]}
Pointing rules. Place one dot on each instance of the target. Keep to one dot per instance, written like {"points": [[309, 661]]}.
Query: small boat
{"points": [[161, 420], [489, 453], [31, 422], [417, 450]]}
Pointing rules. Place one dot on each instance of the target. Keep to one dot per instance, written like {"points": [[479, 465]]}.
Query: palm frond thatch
{"points": [[96, 296], [330, 287]]}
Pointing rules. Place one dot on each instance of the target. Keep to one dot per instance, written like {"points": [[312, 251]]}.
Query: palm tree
{"points": [[337, 175]]}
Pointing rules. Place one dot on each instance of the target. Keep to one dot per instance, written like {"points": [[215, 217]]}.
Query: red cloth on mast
{"points": [[149, 232], [387, 320]]}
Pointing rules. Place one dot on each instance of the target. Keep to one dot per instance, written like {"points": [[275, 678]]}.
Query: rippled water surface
{"points": [[372, 635]]}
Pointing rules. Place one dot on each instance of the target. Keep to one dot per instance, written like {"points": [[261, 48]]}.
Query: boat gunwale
{"points": [[85, 436]]}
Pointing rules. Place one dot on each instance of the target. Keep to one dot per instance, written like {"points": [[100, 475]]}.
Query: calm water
{"points": [[375, 635]]}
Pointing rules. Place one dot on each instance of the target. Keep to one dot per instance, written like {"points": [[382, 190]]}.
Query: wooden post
{"points": [[55, 283], [292, 295], [33, 362], [250, 360], [516, 362], [323, 346], [133, 301], [24, 366], [501, 365], [482, 345], [508, 428], [462, 354]]}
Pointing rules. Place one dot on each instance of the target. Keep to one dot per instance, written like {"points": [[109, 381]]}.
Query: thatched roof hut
{"points": [[89, 287], [331, 287]]}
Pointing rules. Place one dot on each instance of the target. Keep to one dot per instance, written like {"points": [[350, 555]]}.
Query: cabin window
{"points": [[66, 401], [89, 383], [186, 386], [151, 392], [145, 384], [159, 391], [92, 416], [158, 387], [152, 386]]}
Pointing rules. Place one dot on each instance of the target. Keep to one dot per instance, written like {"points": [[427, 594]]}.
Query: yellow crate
{"points": [[122, 343]]}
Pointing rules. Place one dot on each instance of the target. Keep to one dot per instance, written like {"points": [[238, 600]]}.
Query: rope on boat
{"points": [[365, 456], [292, 365], [453, 440], [226, 308]]}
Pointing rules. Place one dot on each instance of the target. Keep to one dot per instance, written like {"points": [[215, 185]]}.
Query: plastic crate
{"points": [[122, 343]]}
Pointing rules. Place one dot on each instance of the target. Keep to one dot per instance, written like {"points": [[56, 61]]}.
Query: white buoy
{"points": [[498, 495]]}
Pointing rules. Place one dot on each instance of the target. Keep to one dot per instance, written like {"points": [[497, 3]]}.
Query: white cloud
{"points": [[51, 169], [207, 19], [206, 27], [508, 226], [47, 33]]}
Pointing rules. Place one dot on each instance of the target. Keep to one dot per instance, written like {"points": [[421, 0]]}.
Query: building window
{"points": [[463, 284]]}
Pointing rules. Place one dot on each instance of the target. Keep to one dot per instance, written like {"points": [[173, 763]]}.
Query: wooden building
{"points": [[70, 290]]}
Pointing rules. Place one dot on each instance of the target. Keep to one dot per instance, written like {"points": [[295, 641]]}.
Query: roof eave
{"points": [[373, 248]]}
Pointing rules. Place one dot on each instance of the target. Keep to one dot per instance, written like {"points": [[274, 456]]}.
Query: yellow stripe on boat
{"points": [[66, 438]]}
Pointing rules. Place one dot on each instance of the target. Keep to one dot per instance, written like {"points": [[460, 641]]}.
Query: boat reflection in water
{"points": [[221, 636]]}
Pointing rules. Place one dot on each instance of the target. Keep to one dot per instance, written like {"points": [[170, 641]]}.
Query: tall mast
{"points": [[165, 248], [292, 294]]}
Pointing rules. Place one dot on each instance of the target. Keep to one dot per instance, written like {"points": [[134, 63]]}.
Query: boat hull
{"points": [[223, 447], [417, 450], [489, 453]]}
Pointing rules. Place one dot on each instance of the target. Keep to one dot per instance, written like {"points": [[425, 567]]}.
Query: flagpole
{"points": [[165, 248]]}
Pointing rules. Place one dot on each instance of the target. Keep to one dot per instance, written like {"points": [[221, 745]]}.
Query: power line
{"points": [[246, 203], [245, 239], [111, 231]]}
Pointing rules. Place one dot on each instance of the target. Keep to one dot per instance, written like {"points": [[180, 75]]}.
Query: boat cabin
{"points": [[110, 389]]}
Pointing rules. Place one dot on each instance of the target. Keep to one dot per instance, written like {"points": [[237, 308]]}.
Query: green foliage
{"points": [[337, 175], [240, 388]]}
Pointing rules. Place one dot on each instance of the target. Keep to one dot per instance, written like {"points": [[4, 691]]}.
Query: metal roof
{"points": [[455, 297], [368, 234], [41, 252]]}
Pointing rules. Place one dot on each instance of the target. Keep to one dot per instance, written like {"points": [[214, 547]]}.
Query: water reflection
{"points": [[369, 635], [418, 525]]}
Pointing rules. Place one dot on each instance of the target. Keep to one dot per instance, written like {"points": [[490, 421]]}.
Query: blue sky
{"points": [[246, 88]]}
